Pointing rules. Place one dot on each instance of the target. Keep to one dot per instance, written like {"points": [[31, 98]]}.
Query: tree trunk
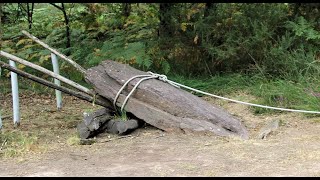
{"points": [[30, 14], [66, 20], [161, 104], [1, 5], [209, 8], [126, 10], [295, 11], [165, 18]]}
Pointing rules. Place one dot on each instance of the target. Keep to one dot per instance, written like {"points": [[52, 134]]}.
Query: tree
{"points": [[66, 20], [1, 5], [28, 10], [209, 8], [165, 17], [126, 10]]}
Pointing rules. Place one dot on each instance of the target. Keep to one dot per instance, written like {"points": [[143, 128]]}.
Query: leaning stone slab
{"points": [[161, 104]]}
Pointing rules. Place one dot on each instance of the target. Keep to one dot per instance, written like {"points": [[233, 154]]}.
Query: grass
{"points": [[272, 92], [16, 143], [220, 85], [4, 86], [282, 93], [42, 126], [316, 121], [73, 140]]}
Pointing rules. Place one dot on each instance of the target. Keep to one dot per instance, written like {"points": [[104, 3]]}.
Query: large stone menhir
{"points": [[161, 104]]}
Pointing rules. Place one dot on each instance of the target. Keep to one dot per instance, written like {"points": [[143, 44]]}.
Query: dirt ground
{"points": [[292, 150]]}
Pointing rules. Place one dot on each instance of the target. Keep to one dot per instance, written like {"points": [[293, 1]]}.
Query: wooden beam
{"points": [[46, 71], [77, 66], [98, 100]]}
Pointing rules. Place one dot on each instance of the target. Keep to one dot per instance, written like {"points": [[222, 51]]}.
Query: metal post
{"points": [[55, 65], [0, 108], [0, 120], [15, 95]]}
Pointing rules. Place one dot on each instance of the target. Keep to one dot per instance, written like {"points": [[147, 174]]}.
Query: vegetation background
{"points": [[269, 50]]}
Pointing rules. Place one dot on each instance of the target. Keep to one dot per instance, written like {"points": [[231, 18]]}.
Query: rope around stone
{"points": [[164, 78]]}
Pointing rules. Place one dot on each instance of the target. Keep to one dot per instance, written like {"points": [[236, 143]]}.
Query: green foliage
{"points": [[130, 53], [234, 37], [277, 93], [130, 46], [303, 28], [219, 85], [238, 42], [121, 115], [219, 48], [286, 94], [10, 12]]}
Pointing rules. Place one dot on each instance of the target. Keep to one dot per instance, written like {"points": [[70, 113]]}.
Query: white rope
{"points": [[178, 85], [124, 85], [236, 101], [133, 89]]}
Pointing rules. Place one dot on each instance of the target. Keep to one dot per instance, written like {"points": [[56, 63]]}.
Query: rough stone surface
{"points": [[121, 127], [161, 104], [102, 121], [93, 123], [268, 129]]}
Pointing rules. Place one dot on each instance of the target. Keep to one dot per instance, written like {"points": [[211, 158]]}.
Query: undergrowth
{"points": [[303, 95]]}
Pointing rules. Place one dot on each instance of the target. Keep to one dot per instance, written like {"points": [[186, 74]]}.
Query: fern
{"points": [[133, 53], [165, 66], [303, 28]]}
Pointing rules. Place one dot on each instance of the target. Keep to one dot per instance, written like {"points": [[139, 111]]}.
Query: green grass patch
{"points": [[304, 95], [15, 143], [73, 140], [219, 85], [316, 121], [286, 94]]}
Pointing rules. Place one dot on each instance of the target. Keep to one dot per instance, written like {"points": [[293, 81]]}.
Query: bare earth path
{"points": [[292, 150]]}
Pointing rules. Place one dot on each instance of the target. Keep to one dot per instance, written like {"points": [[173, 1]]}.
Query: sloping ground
{"points": [[292, 150]]}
